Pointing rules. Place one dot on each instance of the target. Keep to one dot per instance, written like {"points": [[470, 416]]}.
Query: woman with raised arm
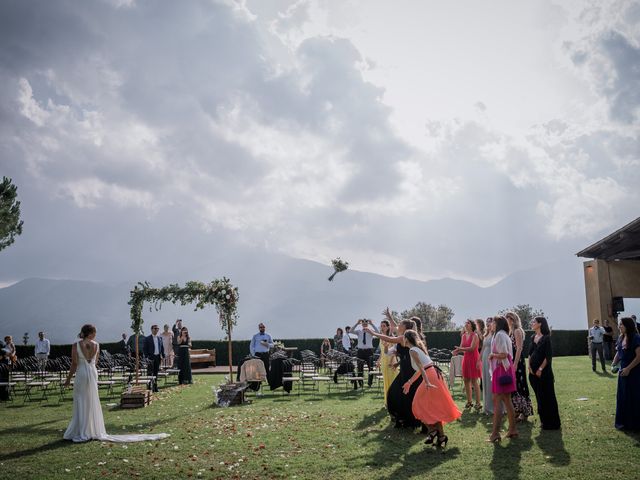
{"points": [[503, 379], [470, 363], [432, 403], [399, 405], [87, 422], [627, 358], [541, 374], [387, 358], [520, 398]]}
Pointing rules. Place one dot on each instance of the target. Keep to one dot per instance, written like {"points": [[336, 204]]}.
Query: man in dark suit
{"points": [[154, 350], [122, 345]]}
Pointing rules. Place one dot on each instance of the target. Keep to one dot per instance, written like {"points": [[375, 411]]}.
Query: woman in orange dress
{"points": [[471, 371], [432, 403]]}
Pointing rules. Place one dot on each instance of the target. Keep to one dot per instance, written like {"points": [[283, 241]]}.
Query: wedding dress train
{"points": [[87, 422]]}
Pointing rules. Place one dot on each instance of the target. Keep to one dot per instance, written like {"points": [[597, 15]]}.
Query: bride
{"points": [[87, 422]]}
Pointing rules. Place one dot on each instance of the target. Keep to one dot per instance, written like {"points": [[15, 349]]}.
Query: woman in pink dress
{"points": [[503, 379], [471, 365]]}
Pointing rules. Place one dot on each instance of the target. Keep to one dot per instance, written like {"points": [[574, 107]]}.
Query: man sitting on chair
{"points": [[154, 350], [260, 345]]}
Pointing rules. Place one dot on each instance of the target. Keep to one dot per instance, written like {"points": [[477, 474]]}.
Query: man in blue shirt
{"points": [[596, 335], [260, 345]]}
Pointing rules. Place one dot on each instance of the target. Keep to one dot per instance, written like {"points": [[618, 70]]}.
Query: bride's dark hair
{"points": [[86, 330]]}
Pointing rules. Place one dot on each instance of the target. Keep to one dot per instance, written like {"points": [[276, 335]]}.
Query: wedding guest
{"points": [[167, 344], [176, 329], [123, 348], [627, 359], [260, 345], [4, 373], [607, 340], [503, 379], [10, 349], [387, 360], [470, 363], [346, 339], [432, 403], [42, 350], [325, 346], [541, 374], [154, 350], [365, 346], [184, 358], [596, 335], [480, 331], [131, 344], [337, 340], [399, 404], [520, 398], [486, 368]]}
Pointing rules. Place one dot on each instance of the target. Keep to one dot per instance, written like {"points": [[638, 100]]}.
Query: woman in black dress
{"points": [[627, 359], [399, 404], [520, 398], [541, 374], [184, 359]]}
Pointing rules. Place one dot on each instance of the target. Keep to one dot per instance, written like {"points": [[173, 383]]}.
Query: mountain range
{"points": [[292, 296]]}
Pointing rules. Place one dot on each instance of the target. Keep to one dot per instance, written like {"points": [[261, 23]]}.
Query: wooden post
{"points": [[137, 358], [230, 353]]}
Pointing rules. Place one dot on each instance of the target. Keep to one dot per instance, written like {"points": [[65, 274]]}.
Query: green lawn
{"points": [[342, 436]]}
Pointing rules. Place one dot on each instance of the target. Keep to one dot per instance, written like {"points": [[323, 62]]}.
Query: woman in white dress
{"points": [[87, 422]]}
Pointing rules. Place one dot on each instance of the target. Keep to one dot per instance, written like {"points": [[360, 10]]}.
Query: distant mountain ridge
{"points": [[292, 296]]}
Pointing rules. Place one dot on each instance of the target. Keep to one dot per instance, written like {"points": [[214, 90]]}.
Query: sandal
{"points": [[468, 405], [442, 441], [478, 407], [431, 437], [494, 438]]}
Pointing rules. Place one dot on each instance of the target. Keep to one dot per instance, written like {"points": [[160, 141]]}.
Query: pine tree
{"points": [[10, 223]]}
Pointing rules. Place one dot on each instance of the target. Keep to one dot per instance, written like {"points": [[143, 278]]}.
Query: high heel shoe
{"points": [[468, 405], [431, 437], [494, 438], [442, 441], [478, 407]]}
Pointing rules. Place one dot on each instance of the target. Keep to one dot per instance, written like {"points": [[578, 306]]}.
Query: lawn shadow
{"points": [[633, 435], [371, 420], [552, 445], [508, 453], [420, 463], [33, 428], [36, 450], [470, 419]]}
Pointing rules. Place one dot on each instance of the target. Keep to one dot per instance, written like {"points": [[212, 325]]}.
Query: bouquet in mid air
{"points": [[339, 265]]}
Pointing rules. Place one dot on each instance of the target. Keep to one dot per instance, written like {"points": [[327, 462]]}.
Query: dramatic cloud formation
{"points": [[144, 135]]}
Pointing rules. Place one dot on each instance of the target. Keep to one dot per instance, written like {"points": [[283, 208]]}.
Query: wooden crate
{"points": [[138, 397], [232, 394]]}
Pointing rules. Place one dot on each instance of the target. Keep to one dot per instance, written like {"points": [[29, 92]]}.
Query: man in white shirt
{"points": [[365, 345], [346, 340], [260, 345], [43, 348], [596, 335]]}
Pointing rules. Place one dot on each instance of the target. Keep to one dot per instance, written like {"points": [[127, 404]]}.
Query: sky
{"points": [[413, 138]]}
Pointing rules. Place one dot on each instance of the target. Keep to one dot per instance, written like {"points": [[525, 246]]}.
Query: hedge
{"points": [[565, 343]]}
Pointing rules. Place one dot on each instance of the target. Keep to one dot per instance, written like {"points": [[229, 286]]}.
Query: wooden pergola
{"points": [[613, 273]]}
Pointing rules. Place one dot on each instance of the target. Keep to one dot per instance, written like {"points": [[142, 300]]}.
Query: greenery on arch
{"points": [[219, 293]]}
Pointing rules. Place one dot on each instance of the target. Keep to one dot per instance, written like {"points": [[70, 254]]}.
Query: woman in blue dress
{"points": [[627, 358]]}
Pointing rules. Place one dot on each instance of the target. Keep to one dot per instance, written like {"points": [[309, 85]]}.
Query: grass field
{"points": [[312, 437]]}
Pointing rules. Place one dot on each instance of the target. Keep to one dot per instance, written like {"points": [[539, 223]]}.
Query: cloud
{"points": [[241, 127]]}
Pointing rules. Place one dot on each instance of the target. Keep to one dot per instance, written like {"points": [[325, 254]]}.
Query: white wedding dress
{"points": [[87, 422]]}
